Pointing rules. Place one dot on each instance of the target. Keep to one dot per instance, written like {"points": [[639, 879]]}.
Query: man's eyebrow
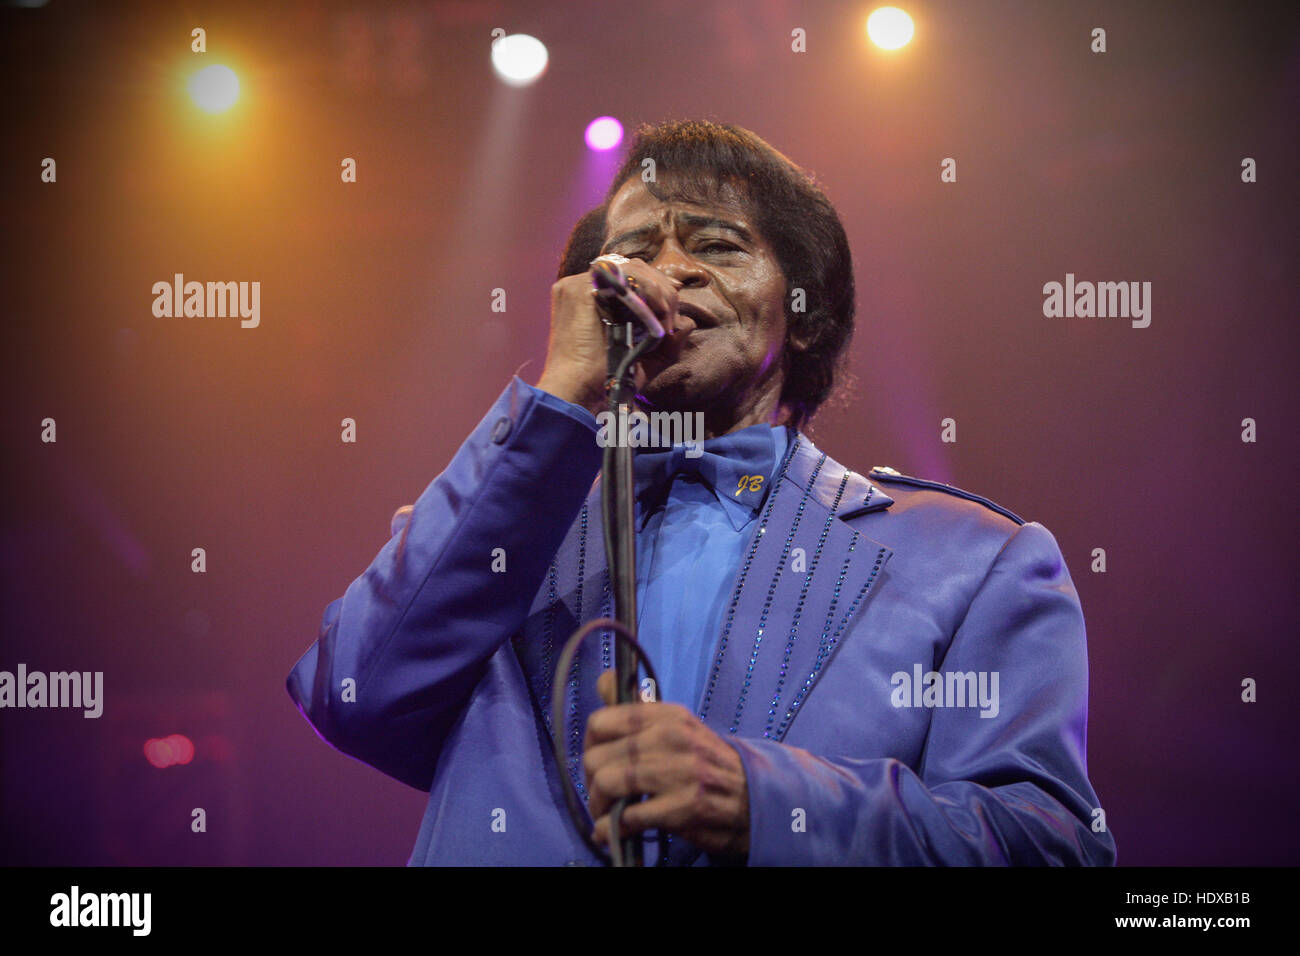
{"points": [[691, 219], [704, 222], [637, 233]]}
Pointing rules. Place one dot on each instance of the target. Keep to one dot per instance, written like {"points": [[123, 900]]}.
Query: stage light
{"points": [[519, 59], [214, 89], [166, 751], [158, 752], [889, 28], [604, 133]]}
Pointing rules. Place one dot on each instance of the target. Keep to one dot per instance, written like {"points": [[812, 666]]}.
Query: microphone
{"points": [[618, 301]]}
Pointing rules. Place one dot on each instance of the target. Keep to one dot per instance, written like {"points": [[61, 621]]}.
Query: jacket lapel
{"points": [[805, 576]]}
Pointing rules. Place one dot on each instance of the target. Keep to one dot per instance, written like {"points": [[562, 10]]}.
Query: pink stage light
{"points": [[604, 133]]}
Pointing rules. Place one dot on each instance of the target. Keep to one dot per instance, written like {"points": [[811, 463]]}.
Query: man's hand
{"points": [[575, 354], [694, 780]]}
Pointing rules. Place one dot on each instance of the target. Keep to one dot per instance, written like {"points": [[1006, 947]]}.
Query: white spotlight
{"points": [[890, 28], [519, 59], [214, 89]]}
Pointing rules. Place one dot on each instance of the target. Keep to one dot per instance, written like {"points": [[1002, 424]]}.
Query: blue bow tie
{"points": [[736, 467]]}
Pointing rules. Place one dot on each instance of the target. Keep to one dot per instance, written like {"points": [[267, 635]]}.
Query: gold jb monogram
{"points": [[754, 482]]}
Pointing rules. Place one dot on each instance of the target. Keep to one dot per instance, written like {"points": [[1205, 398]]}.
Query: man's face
{"points": [[724, 358]]}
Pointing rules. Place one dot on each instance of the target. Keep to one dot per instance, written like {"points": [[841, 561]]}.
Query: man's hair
{"points": [[697, 161]]}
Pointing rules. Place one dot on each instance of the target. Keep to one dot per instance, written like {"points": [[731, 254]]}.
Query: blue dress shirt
{"points": [[694, 517]]}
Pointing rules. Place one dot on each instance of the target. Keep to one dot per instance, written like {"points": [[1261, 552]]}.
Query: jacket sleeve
{"points": [[1011, 788], [412, 635]]}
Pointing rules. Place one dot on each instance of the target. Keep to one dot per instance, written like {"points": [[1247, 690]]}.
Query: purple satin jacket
{"points": [[901, 667]]}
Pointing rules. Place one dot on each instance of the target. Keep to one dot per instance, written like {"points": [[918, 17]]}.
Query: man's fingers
{"points": [[658, 290], [619, 720], [627, 778], [668, 811], [628, 749]]}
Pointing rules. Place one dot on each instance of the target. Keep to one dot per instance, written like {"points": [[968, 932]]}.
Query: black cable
{"points": [[559, 736]]}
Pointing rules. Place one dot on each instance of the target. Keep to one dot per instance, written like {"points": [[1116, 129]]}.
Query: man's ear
{"points": [[797, 338]]}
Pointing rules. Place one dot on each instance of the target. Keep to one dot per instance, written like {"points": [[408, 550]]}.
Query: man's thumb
{"points": [[606, 688]]}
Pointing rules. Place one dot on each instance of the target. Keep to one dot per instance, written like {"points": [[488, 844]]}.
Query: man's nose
{"points": [[681, 268]]}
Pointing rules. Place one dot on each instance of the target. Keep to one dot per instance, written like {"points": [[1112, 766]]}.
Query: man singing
{"points": [[853, 669]]}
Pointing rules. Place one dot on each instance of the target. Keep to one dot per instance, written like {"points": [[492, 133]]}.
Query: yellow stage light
{"points": [[889, 28]]}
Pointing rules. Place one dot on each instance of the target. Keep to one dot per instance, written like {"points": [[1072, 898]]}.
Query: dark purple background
{"points": [[177, 433]]}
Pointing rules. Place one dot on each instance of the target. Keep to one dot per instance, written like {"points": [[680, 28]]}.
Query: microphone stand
{"points": [[624, 314], [620, 540]]}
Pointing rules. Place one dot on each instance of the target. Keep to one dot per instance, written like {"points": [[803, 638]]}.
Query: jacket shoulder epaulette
{"points": [[887, 474]]}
